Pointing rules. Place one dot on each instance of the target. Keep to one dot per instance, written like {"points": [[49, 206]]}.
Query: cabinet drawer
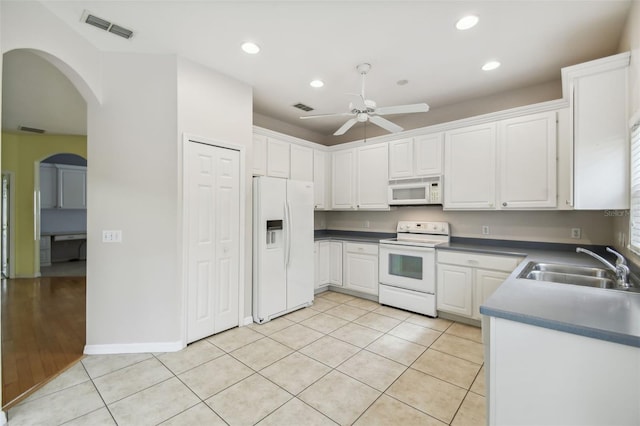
{"points": [[499, 263], [362, 248]]}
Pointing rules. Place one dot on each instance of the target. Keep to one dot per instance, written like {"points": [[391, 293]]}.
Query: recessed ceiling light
{"points": [[491, 65], [316, 83], [250, 48], [467, 22]]}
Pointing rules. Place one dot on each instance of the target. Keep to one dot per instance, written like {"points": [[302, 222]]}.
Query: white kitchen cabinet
{"points": [[486, 282], [72, 187], [321, 180], [48, 186], [361, 267], [527, 161], [454, 289], [360, 178], [301, 163], [416, 157], [470, 167], [343, 179], [401, 159], [259, 155], [278, 158], [597, 93], [465, 280], [372, 177], [335, 263], [322, 267]]}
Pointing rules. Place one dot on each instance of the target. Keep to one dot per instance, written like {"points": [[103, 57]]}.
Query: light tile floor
{"points": [[342, 361]]}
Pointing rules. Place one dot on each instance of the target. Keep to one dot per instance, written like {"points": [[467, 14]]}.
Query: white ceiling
{"points": [[413, 40]]}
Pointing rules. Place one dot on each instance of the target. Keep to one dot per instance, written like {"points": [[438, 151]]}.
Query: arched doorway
{"points": [[41, 339]]}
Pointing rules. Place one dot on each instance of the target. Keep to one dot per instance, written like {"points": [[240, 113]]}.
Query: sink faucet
{"points": [[621, 269]]}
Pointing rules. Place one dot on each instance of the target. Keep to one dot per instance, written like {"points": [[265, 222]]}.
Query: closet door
{"points": [[212, 176]]}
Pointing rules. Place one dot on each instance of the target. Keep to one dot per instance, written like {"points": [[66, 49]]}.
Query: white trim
{"points": [[133, 348], [287, 138], [186, 138], [3, 418], [587, 68], [12, 223], [247, 320], [36, 218]]}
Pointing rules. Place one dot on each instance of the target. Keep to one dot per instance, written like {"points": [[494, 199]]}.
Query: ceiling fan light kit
{"points": [[367, 110]]}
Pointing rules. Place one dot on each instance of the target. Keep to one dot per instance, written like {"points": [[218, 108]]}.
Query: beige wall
{"points": [[544, 226]]}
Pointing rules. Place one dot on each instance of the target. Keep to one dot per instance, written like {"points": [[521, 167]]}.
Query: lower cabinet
{"points": [[361, 267], [353, 266], [465, 280], [328, 263]]}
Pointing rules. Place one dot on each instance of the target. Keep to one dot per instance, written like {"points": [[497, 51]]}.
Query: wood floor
{"points": [[43, 331]]}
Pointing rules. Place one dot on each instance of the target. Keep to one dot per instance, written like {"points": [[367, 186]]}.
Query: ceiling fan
{"points": [[367, 110]]}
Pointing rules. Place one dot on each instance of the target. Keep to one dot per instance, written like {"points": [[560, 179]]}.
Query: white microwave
{"points": [[412, 192]]}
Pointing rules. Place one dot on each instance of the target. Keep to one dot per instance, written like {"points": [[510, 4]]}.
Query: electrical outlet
{"points": [[112, 236], [367, 224], [576, 233], [485, 230]]}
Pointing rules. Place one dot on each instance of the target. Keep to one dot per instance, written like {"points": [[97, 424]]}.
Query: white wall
{"points": [[217, 107], [543, 226], [133, 288]]}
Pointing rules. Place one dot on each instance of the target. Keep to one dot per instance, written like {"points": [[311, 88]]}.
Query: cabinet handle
{"points": [[472, 262], [504, 204]]}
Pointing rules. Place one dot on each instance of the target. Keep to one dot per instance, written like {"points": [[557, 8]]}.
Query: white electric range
{"points": [[407, 266]]}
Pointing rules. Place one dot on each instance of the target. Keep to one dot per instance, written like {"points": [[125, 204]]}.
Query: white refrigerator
{"points": [[283, 262]]}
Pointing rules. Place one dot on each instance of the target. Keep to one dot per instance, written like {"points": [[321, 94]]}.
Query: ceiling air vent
{"points": [[103, 24], [303, 107], [30, 129]]}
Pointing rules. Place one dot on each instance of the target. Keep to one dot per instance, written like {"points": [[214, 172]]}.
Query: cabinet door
{"points": [[322, 264], [343, 179], [428, 154], [335, 263], [72, 187], [48, 186], [401, 159], [601, 146], [527, 148], [373, 177], [301, 163], [361, 272], [321, 174], [486, 282], [278, 158], [259, 155], [470, 168], [454, 289]]}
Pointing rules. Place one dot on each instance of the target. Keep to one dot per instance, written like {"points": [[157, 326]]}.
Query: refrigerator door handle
{"points": [[287, 216]]}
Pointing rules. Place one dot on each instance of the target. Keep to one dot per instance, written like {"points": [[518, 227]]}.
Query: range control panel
{"points": [[435, 228]]}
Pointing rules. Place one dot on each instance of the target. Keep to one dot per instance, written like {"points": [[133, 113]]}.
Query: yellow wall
{"points": [[20, 152]]}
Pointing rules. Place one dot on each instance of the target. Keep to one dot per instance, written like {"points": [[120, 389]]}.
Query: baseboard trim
{"points": [[247, 321], [133, 348], [3, 418]]}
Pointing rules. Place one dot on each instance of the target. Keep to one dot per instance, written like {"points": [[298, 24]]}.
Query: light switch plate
{"points": [[112, 236]]}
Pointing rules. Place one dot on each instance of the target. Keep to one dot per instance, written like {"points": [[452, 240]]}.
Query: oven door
{"points": [[412, 268]]}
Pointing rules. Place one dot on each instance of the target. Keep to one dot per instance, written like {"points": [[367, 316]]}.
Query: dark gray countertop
{"points": [[355, 236]]}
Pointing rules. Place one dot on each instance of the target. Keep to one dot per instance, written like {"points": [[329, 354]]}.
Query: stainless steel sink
{"points": [[572, 274]]}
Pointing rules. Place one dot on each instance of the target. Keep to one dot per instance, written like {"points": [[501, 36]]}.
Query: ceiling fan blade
{"points": [[402, 109], [385, 124], [346, 126], [337, 114]]}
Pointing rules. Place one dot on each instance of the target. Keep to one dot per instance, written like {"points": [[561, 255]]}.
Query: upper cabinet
{"points": [[509, 164], [416, 157], [527, 147], [360, 178], [271, 157], [597, 93], [63, 186], [278, 158], [301, 163], [470, 167], [321, 180]]}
